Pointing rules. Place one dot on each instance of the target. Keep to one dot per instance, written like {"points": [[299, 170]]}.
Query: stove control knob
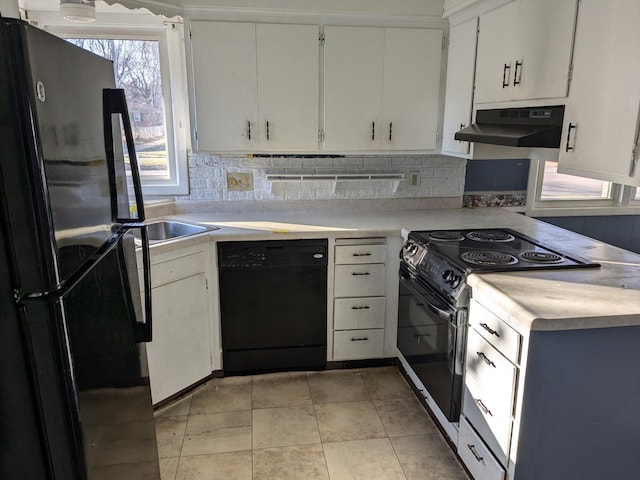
{"points": [[455, 281], [447, 276]]}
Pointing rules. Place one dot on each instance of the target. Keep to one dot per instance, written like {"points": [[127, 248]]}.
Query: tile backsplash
{"points": [[422, 176]]}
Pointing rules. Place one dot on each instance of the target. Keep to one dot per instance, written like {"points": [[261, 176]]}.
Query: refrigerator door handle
{"points": [[115, 102], [143, 330]]}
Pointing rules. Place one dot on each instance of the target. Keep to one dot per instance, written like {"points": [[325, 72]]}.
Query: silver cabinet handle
{"points": [[359, 339], [483, 407], [490, 330], [475, 452], [364, 307], [361, 254], [486, 359]]}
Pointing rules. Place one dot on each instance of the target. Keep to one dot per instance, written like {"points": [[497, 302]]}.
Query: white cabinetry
{"points": [[381, 88], [600, 135], [180, 352], [491, 374], [359, 299], [255, 86], [524, 51], [459, 90]]}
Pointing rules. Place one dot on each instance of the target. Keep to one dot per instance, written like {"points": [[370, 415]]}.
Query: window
{"points": [[558, 186], [148, 65], [136, 65]]}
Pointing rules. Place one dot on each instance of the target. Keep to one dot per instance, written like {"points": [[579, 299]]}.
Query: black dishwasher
{"points": [[273, 304]]}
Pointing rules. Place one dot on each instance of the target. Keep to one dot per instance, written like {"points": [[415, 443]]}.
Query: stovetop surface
{"points": [[495, 250]]}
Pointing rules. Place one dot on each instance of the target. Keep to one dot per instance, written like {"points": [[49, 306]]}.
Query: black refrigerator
{"points": [[75, 309]]}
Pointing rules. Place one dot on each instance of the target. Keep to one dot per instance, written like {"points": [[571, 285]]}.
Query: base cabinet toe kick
{"points": [[556, 404]]}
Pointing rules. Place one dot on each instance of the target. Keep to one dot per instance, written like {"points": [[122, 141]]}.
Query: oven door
{"points": [[431, 339]]}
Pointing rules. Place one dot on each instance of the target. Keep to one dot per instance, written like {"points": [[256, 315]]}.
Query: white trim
{"points": [[469, 9]]}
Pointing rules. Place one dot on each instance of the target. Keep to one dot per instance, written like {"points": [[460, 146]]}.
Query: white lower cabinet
{"points": [[179, 354], [359, 307], [476, 455], [491, 377]]}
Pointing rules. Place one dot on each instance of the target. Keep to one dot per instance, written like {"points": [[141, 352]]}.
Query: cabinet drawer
{"points": [[366, 312], [491, 419], [353, 344], [495, 331], [354, 254], [176, 269], [366, 280], [476, 456], [490, 369]]}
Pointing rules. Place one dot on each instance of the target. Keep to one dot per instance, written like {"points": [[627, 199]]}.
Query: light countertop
{"points": [[539, 300]]}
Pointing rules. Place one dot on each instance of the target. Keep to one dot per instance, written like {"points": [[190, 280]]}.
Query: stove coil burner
{"points": [[487, 258], [445, 236], [547, 258], [497, 236]]}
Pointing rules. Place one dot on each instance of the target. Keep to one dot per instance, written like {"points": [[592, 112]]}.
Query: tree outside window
{"points": [[136, 65]]}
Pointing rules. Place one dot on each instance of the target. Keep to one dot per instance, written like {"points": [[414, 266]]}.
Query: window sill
{"points": [[574, 211]]}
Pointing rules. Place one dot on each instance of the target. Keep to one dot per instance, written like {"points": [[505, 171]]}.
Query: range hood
{"points": [[516, 127]]}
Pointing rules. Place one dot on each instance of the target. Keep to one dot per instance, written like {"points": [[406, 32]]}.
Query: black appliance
{"points": [[434, 297], [273, 305], [75, 400], [516, 127]]}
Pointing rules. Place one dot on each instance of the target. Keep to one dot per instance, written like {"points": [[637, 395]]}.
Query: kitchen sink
{"points": [[163, 230]]}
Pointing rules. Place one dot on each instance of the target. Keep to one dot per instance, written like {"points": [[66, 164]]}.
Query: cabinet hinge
{"points": [[320, 136], [321, 38], [206, 283], [445, 44], [195, 134], [569, 78]]}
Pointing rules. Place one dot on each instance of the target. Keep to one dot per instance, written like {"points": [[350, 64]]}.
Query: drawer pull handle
{"points": [[490, 330], [364, 307], [359, 339], [362, 254], [486, 359], [479, 457], [483, 407], [360, 273]]}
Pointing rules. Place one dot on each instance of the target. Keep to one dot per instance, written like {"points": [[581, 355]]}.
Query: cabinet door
{"points": [[288, 77], [180, 353], [458, 101], [411, 88], [353, 88], [545, 43], [497, 49], [225, 85], [604, 100]]}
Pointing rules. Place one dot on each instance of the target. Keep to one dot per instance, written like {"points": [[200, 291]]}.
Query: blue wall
{"points": [[496, 175], [619, 230]]}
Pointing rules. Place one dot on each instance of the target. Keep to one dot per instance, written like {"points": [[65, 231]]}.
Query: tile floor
{"points": [[335, 424]]}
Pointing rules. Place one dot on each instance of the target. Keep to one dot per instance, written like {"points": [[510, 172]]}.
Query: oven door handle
{"points": [[444, 314]]}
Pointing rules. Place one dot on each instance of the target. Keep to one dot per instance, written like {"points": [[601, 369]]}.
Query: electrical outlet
{"points": [[239, 181], [414, 179]]}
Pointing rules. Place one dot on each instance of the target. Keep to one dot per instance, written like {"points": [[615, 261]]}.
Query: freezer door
{"points": [[84, 192], [90, 367]]}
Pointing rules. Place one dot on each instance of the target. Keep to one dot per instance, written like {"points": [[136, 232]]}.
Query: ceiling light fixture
{"points": [[82, 11]]}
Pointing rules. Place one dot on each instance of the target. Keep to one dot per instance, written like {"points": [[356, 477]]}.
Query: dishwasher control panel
{"points": [[272, 253]]}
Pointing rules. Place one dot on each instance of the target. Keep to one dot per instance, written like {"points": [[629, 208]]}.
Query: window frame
{"points": [[170, 37], [620, 202]]}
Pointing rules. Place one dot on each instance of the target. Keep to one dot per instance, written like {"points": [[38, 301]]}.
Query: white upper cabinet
{"points": [[381, 88], [524, 51], [411, 88], [459, 88], [225, 104], [288, 77], [353, 62], [255, 86], [600, 134]]}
